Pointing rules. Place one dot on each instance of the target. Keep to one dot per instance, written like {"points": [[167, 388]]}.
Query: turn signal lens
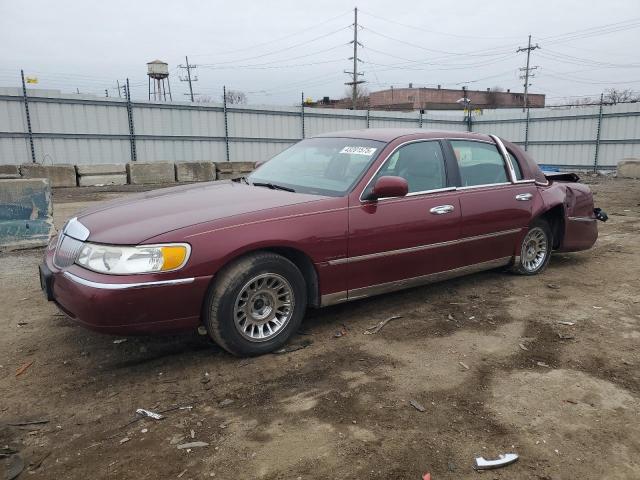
{"points": [[173, 257]]}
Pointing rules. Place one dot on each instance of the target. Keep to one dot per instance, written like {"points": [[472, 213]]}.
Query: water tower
{"points": [[158, 72]]}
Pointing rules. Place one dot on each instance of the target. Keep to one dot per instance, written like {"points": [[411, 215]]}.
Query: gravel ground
{"points": [[486, 356]]}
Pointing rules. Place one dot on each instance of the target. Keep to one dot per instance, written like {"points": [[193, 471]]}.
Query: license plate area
{"points": [[46, 281]]}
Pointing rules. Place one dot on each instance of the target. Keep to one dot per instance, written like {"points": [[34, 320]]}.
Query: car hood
{"points": [[139, 217]]}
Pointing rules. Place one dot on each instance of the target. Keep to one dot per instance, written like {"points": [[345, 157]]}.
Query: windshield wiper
{"points": [[241, 179], [273, 186]]}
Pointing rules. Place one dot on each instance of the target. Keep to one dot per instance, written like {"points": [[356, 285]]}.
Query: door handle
{"points": [[442, 209], [523, 197]]}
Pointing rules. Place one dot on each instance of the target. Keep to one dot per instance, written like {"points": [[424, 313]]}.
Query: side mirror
{"points": [[389, 186]]}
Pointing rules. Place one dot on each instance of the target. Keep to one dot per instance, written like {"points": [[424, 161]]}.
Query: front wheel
{"points": [[256, 304], [535, 249]]}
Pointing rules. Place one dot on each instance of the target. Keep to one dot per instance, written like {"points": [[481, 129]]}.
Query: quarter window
{"points": [[479, 163], [421, 164]]}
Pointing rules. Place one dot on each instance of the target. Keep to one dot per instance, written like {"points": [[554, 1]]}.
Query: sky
{"points": [[275, 50]]}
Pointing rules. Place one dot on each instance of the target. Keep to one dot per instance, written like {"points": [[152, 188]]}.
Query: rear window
{"points": [[479, 163]]}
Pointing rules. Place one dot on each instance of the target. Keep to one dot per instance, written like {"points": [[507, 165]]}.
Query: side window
{"points": [[480, 163], [516, 165], [420, 163]]}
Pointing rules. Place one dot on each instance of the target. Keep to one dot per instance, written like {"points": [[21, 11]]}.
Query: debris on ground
{"points": [[150, 414], [293, 348], [450, 318], [190, 445], [562, 336], [464, 365], [426, 476], [28, 423], [570, 324], [481, 463], [553, 286], [341, 333], [417, 406], [14, 467], [379, 326], [24, 368], [542, 364], [124, 440], [225, 403], [119, 341], [523, 347]]}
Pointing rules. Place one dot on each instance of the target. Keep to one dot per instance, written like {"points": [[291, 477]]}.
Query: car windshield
{"points": [[321, 166]]}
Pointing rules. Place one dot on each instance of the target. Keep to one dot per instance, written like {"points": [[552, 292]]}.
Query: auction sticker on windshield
{"points": [[368, 151]]}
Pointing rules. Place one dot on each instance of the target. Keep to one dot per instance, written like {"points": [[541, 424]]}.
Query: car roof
{"points": [[389, 134]]}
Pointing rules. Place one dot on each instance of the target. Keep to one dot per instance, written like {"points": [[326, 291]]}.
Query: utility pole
{"points": [[188, 78], [354, 81], [527, 70]]}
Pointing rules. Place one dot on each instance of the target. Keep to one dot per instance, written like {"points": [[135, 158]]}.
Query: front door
{"points": [[393, 240]]}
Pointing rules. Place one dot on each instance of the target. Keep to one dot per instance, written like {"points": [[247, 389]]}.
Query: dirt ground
{"points": [[486, 355]]}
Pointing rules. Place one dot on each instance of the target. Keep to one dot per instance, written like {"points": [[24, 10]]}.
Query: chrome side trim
{"points": [[74, 229], [582, 219], [333, 298], [468, 187], [125, 286], [381, 288], [505, 157], [418, 248]]}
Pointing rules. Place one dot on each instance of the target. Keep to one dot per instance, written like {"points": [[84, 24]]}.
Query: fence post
{"points": [[368, 112], [132, 131], [26, 111], [226, 121], [595, 158], [526, 132], [302, 112], [469, 121]]}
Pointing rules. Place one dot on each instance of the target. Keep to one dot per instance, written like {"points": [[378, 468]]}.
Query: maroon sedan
{"points": [[333, 218]]}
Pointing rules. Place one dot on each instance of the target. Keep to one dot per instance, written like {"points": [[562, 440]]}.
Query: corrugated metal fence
{"points": [[81, 129]]}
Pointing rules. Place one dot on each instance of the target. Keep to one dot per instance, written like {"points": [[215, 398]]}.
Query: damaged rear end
{"points": [[580, 230]]}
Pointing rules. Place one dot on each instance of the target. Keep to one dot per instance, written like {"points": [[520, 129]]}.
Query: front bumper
{"points": [[131, 304]]}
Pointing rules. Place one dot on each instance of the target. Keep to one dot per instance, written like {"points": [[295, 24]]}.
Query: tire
{"points": [[535, 249], [259, 289]]}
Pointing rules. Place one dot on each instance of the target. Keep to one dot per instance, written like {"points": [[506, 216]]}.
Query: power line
{"points": [[275, 40], [188, 78], [422, 29], [355, 74], [527, 70]]}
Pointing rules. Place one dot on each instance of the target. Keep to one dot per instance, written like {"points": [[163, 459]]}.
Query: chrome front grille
{"points": [[67, 251]]}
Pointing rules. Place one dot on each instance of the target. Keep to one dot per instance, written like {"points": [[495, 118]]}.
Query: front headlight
{"points": [[117, 260]]}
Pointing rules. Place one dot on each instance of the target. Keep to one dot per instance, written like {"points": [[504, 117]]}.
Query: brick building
{"points": [[447, 99]]}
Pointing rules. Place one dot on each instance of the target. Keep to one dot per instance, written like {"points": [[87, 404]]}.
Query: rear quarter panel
{"points": [[580, 225]]}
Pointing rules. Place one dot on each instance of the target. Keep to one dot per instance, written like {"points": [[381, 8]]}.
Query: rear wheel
{"points": [[256, 304], [535, 249]]}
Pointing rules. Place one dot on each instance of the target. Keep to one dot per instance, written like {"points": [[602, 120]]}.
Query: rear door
{"points": [[395, 239], [495, 205]]}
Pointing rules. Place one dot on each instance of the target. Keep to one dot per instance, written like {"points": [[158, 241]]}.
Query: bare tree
{"points": [[362, 94], [236, 97], [614, 96], [203, 99]]}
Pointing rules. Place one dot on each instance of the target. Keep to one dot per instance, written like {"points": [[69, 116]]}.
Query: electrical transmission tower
{"points": [[355, 74], [527, 70], [188, 77]]}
